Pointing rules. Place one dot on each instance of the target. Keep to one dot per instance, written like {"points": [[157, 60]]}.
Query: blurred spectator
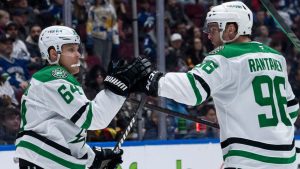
{"points": [[195, 54], [279, 8], [7, 94], [261, 18], [151, 126], [90, 59], [94, 81], [146, 18], [209, 114], [56, 10], [277, 45], [39, 5], [263, 35], [194, 32], [33, 48], [20, 50], [123, 120], [197, 12], [106, 134], [174, 12], [192, 132], [121, 10], [175, 58], [146, 23], [23, 5], [19, 17], [9, 125], [180, 124], [102, 26], [16, 68], [79, 19], [4, 19], [294, 9], [182, 28], [296, 84]]}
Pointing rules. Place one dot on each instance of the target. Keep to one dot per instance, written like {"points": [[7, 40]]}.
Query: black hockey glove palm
{"points": [[122, 77], [106, 158], [148, 84]]}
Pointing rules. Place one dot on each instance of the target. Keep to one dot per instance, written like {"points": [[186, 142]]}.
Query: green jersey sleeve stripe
{"points": [[79, 113], [257, 157], [23, 115], [49, 155], [89, 117], [195, 89], [294, 114]]}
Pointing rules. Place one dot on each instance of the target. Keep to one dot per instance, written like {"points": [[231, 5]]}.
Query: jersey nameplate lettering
{"points": [[262, 64]]}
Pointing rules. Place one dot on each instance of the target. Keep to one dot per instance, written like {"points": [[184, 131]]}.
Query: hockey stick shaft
{"points": [[176, 114], [132, 121], [283, 26]]}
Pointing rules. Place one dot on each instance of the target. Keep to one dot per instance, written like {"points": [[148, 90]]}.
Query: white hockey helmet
{"points": [[234, 11], [55, 37]]}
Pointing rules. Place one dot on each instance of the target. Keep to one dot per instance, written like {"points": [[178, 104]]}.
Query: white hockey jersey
{"points": [[55, 117], [255, 104]]}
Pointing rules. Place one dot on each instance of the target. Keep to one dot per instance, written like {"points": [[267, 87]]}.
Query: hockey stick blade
{"points": [[132, 121], [283, 26], [176, 114]]}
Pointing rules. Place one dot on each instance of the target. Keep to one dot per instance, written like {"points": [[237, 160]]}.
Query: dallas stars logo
{"points": [[59, 73]]}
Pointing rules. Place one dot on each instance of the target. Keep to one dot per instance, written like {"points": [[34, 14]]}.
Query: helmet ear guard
{"points": [[231, 12], [55, 37]]}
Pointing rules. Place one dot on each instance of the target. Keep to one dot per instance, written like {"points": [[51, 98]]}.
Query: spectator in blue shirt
{"points": [[16, 68]]}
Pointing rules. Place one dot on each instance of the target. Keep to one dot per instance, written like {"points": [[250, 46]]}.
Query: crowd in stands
{"points": [[105, 28]]}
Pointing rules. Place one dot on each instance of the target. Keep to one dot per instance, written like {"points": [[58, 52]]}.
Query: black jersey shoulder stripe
{"points": [[48, 142], [204, 84], [235, 140], [45, 140], [292, 102], [79, 113]]}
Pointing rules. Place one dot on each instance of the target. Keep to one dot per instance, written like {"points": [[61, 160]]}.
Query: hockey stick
{"points": [[132, 121], [126, 132], [283, 26], [176, 114]]}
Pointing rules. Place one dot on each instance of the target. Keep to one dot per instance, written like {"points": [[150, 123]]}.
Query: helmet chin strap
{"points": [[55, 62], [224, 41]]}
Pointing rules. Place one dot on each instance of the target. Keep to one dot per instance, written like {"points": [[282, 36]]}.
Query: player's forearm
{"points": [[176, 86], [105, 107]]}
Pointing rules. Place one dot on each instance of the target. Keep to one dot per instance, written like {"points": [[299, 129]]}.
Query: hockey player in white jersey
{"points": [[248, 81], [55, 113]]}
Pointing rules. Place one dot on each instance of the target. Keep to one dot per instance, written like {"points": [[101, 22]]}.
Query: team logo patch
{"points": [[215, 51], [59, 73]]}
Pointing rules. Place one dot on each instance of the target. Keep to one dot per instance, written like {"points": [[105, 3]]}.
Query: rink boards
{"points": [[174, 154]]}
